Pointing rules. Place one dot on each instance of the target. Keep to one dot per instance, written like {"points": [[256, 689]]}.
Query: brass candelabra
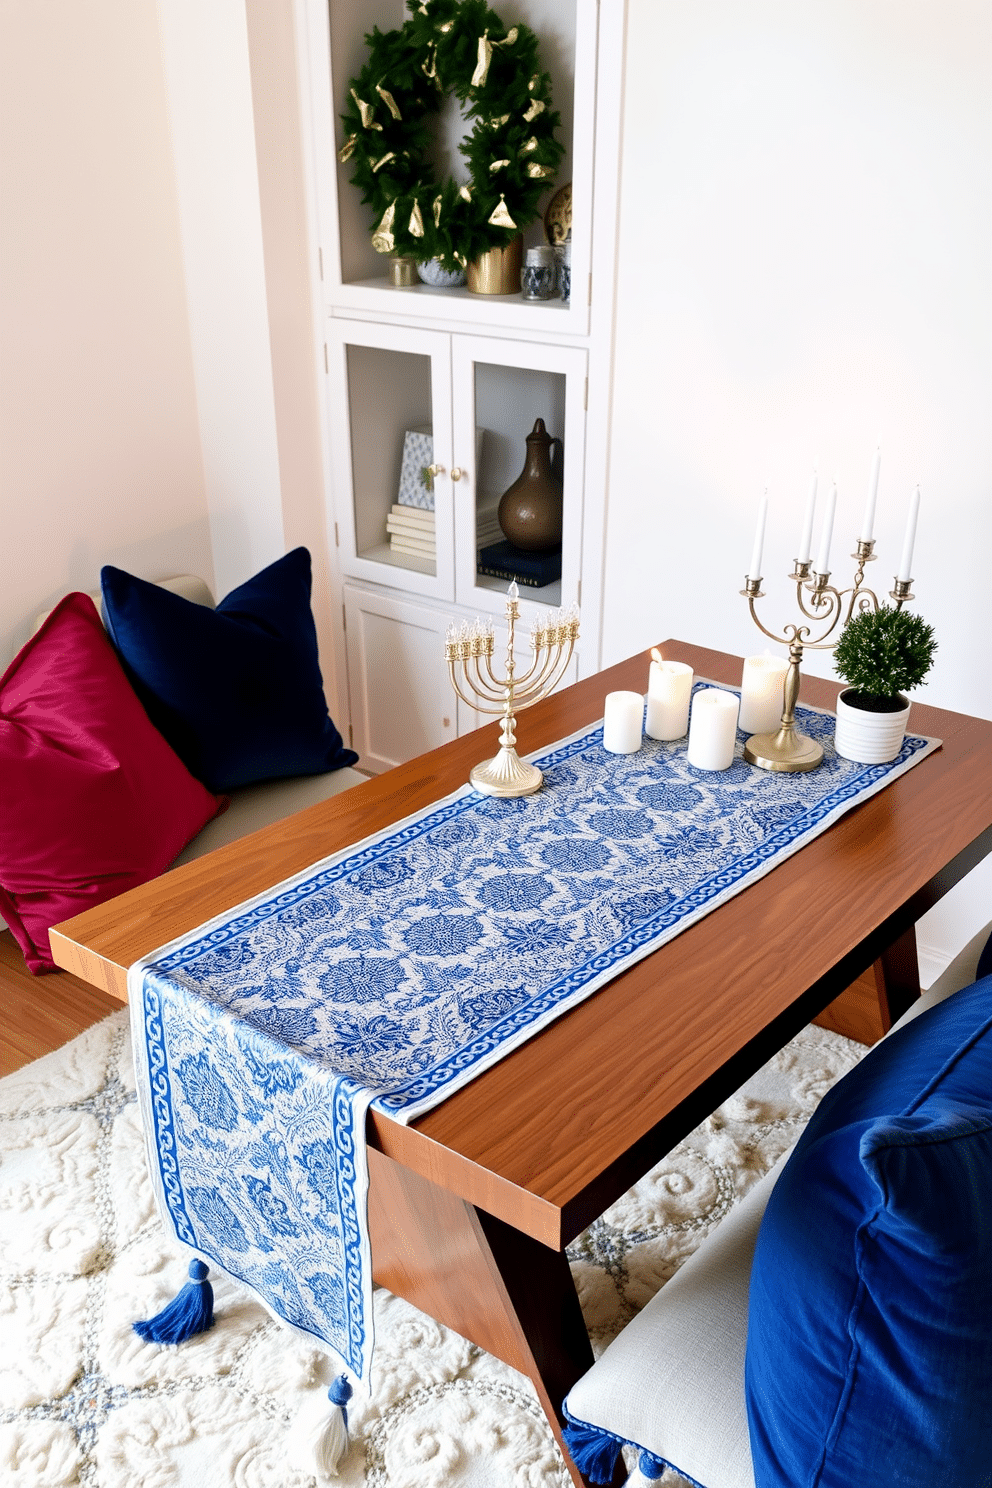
{"points": [[469, 652], [788, 749]]}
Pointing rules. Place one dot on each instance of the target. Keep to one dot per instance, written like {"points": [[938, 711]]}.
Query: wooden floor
{"points": [[38, 1014]]}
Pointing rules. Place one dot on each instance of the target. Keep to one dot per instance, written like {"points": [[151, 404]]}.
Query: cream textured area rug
{"points": [[84, 1401]]}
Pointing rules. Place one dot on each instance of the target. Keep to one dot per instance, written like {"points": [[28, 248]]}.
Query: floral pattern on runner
{"points": [[397, 970]]}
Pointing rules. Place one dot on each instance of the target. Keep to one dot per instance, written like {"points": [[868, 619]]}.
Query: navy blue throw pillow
{"points": [[236, 691], [869, 1350]]}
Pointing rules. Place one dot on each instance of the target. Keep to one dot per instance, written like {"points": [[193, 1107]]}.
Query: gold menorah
{"points": [[469, 648]]}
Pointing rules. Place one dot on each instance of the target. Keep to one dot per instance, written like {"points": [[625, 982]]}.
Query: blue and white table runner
{"points": [[397, 970]]}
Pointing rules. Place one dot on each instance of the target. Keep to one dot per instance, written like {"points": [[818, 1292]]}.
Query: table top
{"points": [[560, 1128]]}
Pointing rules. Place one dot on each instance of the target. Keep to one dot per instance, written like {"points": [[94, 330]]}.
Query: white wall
{"points": [[208, 81], [804, 271], [99, 441], [293, 321], [159, 405]]}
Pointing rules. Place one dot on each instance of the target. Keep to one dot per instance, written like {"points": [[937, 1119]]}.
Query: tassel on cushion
{"points": [[320, 1436], [190, 1312], [594, 1453]]}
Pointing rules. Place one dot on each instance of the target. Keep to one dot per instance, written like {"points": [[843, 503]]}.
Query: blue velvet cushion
{"points": [[869, 1352], [236, 691]]}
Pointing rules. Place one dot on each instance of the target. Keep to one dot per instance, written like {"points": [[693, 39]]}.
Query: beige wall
{"points": [[99, 442], [281, 160]]}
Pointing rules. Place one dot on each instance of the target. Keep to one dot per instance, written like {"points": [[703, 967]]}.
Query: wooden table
{"points": [[471, 1206]]}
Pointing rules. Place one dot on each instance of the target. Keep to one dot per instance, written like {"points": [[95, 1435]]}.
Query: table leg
{"points": [[897, 978], [494, 1285]]}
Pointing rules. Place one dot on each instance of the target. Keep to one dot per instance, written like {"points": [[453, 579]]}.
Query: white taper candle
{"points": [[754, 572], [826, 534], [806, 539], [868, 521], [906, 562]]}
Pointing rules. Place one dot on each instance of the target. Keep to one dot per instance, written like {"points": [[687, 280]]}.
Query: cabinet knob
{"points": [[456, 472], [436, 469]]}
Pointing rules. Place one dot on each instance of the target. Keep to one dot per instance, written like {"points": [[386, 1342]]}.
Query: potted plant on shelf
{"points": [[881, 655]]}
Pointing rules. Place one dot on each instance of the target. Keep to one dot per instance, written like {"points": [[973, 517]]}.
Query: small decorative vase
{"points": [[498, 271], [431, 272], [869, 738], [531, 509], [537, 277], [563, 259], [402, 270]]}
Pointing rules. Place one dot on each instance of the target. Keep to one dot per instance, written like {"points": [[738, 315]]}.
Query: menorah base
{"points": [[506, 775], [787, 750]]}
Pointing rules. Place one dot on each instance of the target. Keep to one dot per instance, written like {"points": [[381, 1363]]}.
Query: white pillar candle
{"points": [[868, 522], [826, 533], [762, 694], [806, 537], [906, 564], [713, 729], [754, 572], [669, 694], [623, 721]]}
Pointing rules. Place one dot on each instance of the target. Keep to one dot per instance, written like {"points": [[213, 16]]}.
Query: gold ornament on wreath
{"points": [[458, 47]]}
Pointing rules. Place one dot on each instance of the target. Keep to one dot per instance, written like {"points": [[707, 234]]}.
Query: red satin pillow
{"points": [[92, 798]]}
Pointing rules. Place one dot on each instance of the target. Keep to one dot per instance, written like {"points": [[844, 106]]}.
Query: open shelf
{"points": [[383, 553]]}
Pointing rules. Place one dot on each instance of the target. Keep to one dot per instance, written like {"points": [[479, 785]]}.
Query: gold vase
{"points": [[498, 271], [402, 270]]}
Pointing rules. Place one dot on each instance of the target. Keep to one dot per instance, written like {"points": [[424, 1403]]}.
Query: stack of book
{"points": [[411, 531], [503, 561]]}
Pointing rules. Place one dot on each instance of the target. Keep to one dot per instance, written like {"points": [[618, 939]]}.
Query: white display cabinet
{"points": [[402, 701], [355, 276], [479, 397], [475, 371]]}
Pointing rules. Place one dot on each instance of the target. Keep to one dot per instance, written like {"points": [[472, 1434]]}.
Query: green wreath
{"points": [[460, 47]]}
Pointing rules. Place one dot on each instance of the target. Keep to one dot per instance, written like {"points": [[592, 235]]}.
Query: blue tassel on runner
{"points": [[189, 1313], [594, 1453]]}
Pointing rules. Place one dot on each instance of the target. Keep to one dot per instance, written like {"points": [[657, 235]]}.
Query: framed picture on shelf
{"points": [[416, 479]]}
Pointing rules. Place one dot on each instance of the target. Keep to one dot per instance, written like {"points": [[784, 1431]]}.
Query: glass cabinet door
{"points": [[391, 454], [499, 390]]}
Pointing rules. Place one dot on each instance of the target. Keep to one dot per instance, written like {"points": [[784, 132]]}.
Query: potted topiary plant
{"points": [[881, 654]]}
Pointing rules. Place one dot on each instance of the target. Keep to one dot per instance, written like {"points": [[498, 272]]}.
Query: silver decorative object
{"points": [[469, 653], [563, 269], [537, 277]]}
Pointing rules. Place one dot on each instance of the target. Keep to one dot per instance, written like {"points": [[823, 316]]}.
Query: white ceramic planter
{"points": [[868, 738], [431, 272]]}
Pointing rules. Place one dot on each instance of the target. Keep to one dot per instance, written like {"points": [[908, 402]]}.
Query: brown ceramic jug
{"points": [[530, 511]]}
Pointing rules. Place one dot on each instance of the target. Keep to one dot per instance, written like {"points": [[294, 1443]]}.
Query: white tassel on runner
{"points": [[319, 1439]]}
